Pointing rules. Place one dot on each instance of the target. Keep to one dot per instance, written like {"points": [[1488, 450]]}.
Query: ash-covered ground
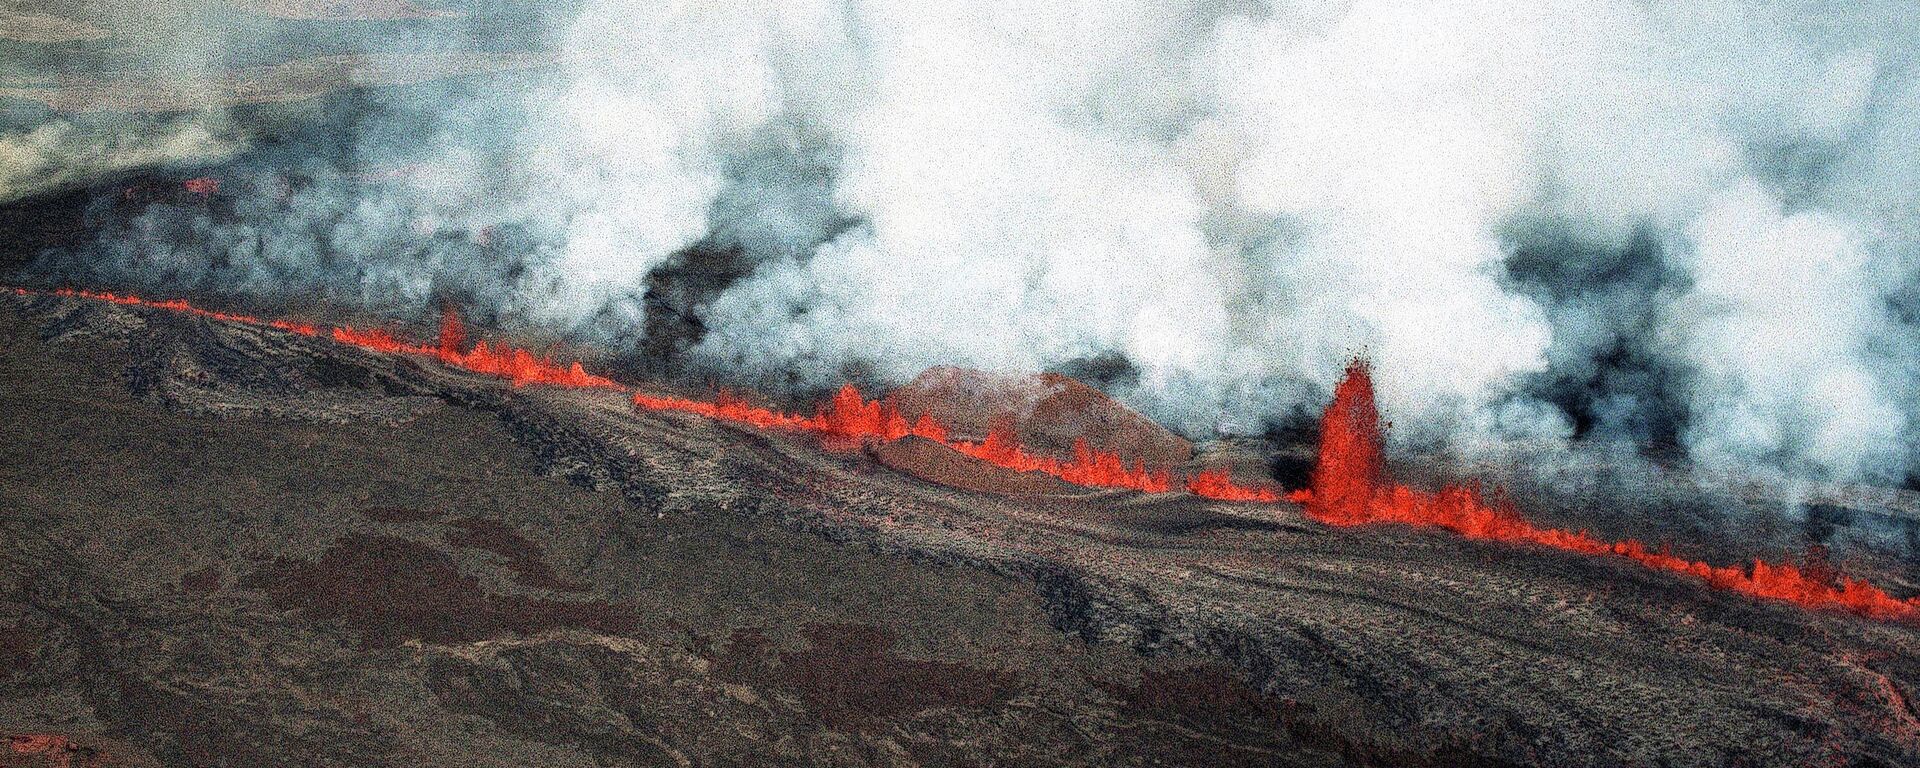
{"points": [[230, 545]]}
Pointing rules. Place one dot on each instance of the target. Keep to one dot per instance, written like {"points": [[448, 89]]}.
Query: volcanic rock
{"points": [[937, 463], [214, 587], [1047, 412], [544, 576]]}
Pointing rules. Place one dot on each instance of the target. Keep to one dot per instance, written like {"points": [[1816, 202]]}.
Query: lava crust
{"points": [[222, 551]]}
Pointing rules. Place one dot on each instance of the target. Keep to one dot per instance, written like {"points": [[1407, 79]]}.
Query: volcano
{"points": [[263, 541]]}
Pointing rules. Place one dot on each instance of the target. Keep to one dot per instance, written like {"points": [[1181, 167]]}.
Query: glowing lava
{"points": [[204, 186], [1218, 484], [1350, 487], [511, 363], [518, 366], [178, 305], [849, 416], [1349, 482]]}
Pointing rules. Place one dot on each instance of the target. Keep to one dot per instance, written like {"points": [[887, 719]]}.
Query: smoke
{"points": [[1003, 223], [1238, 199], [60, 152], [1603, 220], [31, 27], [1780, 328]]}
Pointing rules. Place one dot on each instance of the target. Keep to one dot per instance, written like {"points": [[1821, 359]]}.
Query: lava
{"points": [[516, 365], [511, 363], [1351, 465], [727, 408], [849, 416], [453, 333], [1350, 487], [56, 750], [181, 306], [204, 186], [1218, 484], [1349, 484]]}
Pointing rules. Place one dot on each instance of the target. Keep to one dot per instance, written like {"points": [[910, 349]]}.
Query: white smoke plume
{"points": [[1780, 331], [1238, 198], [1609, 218]]}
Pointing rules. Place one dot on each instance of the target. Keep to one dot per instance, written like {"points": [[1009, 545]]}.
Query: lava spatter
{"points": [[1350, 487], [1349, 483], [850, 416]]}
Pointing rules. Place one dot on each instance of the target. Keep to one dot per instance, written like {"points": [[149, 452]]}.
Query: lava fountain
{"points": [[1350, 487], [1349, 483]]}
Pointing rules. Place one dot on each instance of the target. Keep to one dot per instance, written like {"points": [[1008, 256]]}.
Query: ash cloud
{"points": [[1645, 222]]}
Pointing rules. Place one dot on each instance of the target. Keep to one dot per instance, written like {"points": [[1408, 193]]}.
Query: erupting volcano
{"points": [[849, 416], [1436, 607], [1350, 487], [1349, 481], [511, 363]]}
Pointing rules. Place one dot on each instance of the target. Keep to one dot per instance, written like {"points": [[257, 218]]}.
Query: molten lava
{"points": [[204, 186], [1351, 467], [172, 305], [511, 363], [453, 333], [1350, 487], [727, 407], [1218, 484], [849, 416], [1349, 483]]}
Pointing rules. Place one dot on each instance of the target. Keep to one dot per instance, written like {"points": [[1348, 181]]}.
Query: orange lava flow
{"points": [[1218, 484], [849, 416], [1350, 487], [846, 416], [726, 408], [511, 363], [204, 186], [56, 750], [176, 305], [1349, 484]]}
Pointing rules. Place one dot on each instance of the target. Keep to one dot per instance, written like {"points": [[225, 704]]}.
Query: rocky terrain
{"points": [[227, 545], [1049, 412], [230, 545], [234, 547]]}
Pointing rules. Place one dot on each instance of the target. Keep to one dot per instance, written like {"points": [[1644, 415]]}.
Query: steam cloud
{"points": [[1637, 220], [59, 152]]}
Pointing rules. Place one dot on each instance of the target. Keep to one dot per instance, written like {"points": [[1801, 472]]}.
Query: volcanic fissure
{"points": [[1349, 483]]}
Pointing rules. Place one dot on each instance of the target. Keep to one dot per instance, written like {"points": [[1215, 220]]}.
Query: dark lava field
{"points": [[228, 545]]}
